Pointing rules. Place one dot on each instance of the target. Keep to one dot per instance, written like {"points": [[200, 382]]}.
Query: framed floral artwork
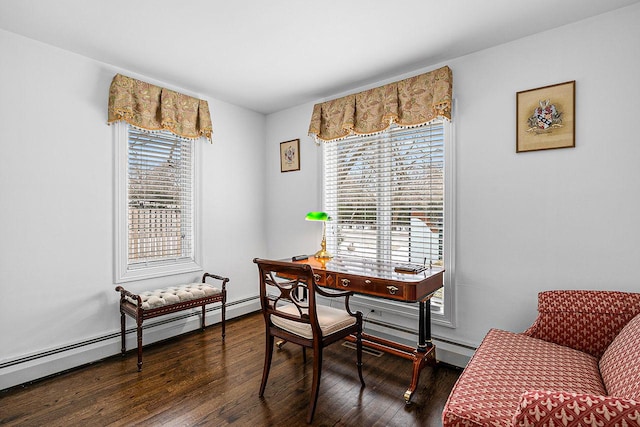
{"points": [[545, 117], [290, 156]]}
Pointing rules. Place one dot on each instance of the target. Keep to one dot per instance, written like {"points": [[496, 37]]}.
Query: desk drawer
{"points": [[325, 279], [371, 286]]}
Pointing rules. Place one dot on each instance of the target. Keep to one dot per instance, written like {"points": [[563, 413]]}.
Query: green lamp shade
{"points": [[317, 216], [324, 217]]}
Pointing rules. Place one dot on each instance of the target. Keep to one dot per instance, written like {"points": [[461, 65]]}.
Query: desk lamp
{"points": [[324, 217]]}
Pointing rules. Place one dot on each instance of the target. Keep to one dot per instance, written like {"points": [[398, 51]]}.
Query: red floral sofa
{"points": [[577, 365]]}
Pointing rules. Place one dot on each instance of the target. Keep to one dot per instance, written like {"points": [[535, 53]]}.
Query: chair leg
{"points": [[315, 386], [359, 355], [268, 353], [304, 355]]}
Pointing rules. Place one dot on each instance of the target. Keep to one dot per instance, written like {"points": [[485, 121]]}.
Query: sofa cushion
{"points": [[508, 364], [620, 363], [558, 408], [584, 320]]}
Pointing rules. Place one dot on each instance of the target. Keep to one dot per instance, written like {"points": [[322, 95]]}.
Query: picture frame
{"points": [[545, 117], [290, 156]]}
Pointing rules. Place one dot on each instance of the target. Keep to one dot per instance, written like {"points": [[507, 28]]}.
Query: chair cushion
{"points": [[174, 295], [330, 319], [620, 363], [508, 364]]}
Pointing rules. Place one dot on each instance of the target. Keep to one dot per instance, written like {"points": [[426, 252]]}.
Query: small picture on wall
{"points": [[545, 117], [290, 156]]}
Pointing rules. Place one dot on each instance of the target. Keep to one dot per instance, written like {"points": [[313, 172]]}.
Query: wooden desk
{"points": [[376, 279]]}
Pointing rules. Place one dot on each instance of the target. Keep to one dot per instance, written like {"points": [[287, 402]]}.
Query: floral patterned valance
{"points": [[410, 102], [151, 107]]}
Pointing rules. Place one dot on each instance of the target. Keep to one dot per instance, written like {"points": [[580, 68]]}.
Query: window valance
{"points": [[151, 107], [410, 102]]}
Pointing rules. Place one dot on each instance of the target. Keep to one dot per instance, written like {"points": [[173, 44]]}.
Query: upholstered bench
{"points": [[147, 305]]}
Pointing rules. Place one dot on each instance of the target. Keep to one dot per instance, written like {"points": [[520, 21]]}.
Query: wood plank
{"points": [[195, 379]]}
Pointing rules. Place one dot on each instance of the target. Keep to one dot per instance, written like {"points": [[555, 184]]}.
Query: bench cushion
{"points": [[505, 366], [174, 295]]}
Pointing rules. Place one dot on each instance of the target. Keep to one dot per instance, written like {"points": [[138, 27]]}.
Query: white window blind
{"points": [[160, 198], [385, 195]]}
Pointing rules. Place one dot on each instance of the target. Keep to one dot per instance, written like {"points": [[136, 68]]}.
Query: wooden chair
{"points": [[288, 298]]}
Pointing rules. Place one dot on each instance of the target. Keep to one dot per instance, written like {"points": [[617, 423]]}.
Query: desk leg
{"points": [[422, 355], [424, 326], [425, 353]]}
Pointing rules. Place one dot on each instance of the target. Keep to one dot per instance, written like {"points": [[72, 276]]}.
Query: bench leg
{"points": [[139, 332], [202, 318], [123, 324], [224, 304]]}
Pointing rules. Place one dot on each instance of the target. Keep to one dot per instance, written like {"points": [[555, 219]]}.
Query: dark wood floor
{"points": [[195, 380]]}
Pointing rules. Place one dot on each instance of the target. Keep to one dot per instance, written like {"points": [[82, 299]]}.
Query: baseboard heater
{"points": [[132, 330], [114, 335], [414, 332]]}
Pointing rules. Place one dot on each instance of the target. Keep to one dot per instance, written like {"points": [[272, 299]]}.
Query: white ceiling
{"points": [[268, 55]]}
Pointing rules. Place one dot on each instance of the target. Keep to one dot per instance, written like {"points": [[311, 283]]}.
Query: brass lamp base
{"points": [[323, 254]]}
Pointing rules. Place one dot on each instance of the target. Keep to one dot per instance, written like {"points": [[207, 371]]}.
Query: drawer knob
{"points": [[316, 277], [392, 289], [367, 282], [345, 282]]}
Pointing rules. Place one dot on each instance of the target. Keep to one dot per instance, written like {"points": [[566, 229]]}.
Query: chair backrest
{"points": [[285, 283]]}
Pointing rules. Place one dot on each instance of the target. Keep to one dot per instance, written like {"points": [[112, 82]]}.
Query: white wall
{"points": [[56, 221], [526, 222], [291, 195]]}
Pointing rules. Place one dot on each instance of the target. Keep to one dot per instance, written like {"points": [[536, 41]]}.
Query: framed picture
{"points": [[545, 117], [290, 156]]}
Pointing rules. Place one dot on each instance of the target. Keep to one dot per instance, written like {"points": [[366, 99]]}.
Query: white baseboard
{"points": [[58, 360]]}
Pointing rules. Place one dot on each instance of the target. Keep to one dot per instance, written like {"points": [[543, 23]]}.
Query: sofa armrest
{"points": [[560, 408], [584, 320]]}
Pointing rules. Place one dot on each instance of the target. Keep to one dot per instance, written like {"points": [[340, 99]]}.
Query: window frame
{"points": [[447, 316], [123, 271]]}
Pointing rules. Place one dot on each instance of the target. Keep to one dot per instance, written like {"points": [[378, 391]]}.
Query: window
{"points": [[386, 196], [156, 207]]}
